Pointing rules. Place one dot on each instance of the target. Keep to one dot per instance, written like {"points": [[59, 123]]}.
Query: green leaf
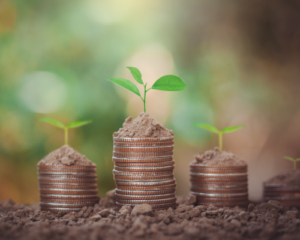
{"points": [[169, 83], [207, 127], [297, 159], [126, 84], [136, 74], [52, 122], [78, 124], [289, 158], [232, 129]]}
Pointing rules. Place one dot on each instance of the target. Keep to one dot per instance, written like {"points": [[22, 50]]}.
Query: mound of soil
{"points": [[289, 178], [104, 221], [65, 156], [144, 126], [219, 158]]}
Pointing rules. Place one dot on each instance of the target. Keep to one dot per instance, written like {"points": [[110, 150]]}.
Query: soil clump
{"points": [[144, 126], [65, 156], [288, 178], [104, 221], [218, 158]]}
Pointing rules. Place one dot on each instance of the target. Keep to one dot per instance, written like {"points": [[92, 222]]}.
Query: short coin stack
{"points": [[67, 188], [286, 194], [219, 185], [144, 171]]}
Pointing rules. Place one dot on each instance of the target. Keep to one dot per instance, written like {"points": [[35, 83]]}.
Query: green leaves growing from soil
{"points": [[219, 132], [294, 160], [165, 83], [60, 125]]}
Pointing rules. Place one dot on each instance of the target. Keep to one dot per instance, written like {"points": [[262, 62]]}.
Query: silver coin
{"points": [[219, 174], [220, 195]]}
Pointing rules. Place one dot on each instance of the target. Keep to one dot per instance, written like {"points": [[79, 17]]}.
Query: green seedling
{"points": [[165, 83], [294, 160], [219, 132], [60, 125]]}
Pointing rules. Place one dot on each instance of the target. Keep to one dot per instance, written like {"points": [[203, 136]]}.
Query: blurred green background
{"points": [[240, 60]]}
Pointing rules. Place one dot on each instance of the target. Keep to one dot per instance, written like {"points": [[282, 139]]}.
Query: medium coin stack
{"points": [[67, 188], [286, 194], [219, 185], [144, 172]]}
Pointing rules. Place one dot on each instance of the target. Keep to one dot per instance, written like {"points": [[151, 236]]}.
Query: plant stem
{"points": [[220, 141], [66, 136], [145, 97], [295, 165]]}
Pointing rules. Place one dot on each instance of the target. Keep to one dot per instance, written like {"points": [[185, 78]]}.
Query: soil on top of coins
{"points": [[144, 126], [105, 221], [289, 178], [219, 158], [65, 156]]}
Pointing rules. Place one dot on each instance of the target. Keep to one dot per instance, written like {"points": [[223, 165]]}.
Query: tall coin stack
{"points": [[219, 185], [144, 172], [67, 188], [286, 194]]}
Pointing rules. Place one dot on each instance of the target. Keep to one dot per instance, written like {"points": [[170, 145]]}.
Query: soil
{"points": [[289, 178], [65, 156], [263, 221], [144, 126], [219, 158]]}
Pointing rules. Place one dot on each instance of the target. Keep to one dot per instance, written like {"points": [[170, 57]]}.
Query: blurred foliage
{"points": [[56, 57]]}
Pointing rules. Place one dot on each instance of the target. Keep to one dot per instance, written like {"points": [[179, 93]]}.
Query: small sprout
{"points": [[60, 125], [219, 132], [294, 160], [165, 83]]}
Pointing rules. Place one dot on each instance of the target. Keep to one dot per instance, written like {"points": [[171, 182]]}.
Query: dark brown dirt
{"points": [[219, 158], [265, 221], [289, 178], [65, 156], [144, 126]]}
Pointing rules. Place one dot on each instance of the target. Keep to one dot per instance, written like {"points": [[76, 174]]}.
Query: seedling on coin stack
{"points": [[285, 187], [67, 179], [143, 152], [219, 177], [165, 83]]}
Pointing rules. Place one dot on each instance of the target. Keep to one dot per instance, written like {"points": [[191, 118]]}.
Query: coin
{"points": [[65, 205], [134, 174], [157, 164], [220, 185], [144, 178], [144, 149], [56, 210], [211, 200], [218, 180], [68, 185], [155, 201], [213, 190], [144, 192], [144, 169], [154, 183], [220, 195], [120, 197], [68, 191], [141, 154], [143, 144], [147, 188], [141, 160], [154, 206]]}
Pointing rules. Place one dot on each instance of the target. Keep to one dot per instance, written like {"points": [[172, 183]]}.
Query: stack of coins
{"points": [[219, 185], [67, 188], [286, 194], [144, 172]]}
